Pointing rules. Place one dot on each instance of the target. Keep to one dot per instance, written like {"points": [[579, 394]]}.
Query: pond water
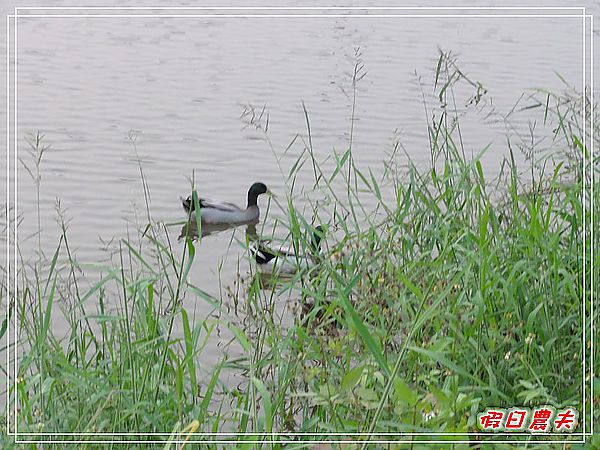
{"points": [[181, 89]]}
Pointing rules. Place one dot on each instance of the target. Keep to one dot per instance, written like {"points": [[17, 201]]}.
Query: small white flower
{"points": [[507, 355], [529, 338], [427, 416]]}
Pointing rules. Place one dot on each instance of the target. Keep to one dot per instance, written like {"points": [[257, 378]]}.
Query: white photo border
{"points": [[266, 437]]}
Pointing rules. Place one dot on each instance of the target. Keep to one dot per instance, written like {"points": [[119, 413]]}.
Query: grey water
{"points": [[174, 97]]}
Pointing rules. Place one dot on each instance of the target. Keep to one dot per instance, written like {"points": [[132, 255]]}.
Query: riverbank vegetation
{"points": [[461, 293]]}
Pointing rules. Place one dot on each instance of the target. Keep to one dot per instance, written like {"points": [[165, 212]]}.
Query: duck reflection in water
{"points": [[190, 229]]}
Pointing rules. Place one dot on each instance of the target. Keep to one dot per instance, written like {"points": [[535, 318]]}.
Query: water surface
{"points": [[169, 95]]}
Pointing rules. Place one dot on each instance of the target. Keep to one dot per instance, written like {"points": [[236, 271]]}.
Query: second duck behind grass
{"points": [[217, 212], [286, 261]]}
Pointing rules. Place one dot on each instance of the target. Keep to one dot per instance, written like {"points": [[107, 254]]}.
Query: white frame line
{"points": [[8, 222], [15, 16], [280, 441], [295, 8], [302, 16], [592, 217], [583, 347], [15, 288], [301, 433]]}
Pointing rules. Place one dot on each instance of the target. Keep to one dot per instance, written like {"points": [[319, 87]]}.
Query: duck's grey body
{"points": [[212, 212]]}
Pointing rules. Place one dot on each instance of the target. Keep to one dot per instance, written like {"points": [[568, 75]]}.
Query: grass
{"points": [[461, 293]]}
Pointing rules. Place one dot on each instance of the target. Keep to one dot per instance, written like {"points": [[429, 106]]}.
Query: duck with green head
{"points": [[214, 212], [286, 261]]}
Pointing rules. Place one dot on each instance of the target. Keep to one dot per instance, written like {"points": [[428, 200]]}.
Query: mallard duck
{"points": [[285, 261], [212, 212]]}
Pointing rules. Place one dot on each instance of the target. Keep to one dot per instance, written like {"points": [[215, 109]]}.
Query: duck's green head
{"points": [[318, 236], [255, 190]]}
